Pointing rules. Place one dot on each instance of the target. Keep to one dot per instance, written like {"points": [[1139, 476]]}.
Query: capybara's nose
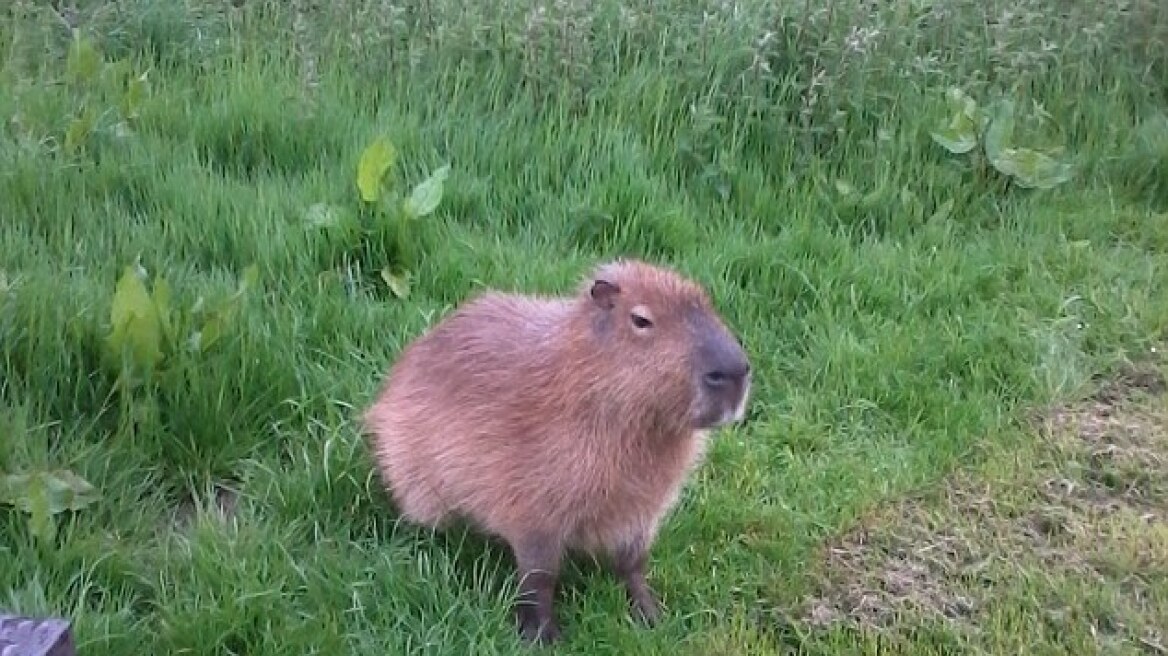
{"points": [[729, 374]]}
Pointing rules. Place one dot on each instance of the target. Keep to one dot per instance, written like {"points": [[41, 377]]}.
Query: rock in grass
{"points": [[35, 636]]}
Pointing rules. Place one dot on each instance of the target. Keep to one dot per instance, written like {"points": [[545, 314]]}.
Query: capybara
{"points": [[562, 424]]}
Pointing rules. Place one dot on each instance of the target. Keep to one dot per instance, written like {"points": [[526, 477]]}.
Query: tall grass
{"points": [[902, 305]]}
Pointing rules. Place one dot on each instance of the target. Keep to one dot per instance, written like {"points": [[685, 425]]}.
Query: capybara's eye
{"points": [[641, 322]]}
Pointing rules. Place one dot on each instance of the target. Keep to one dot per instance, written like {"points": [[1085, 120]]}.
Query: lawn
{"points": [[219, 222]]}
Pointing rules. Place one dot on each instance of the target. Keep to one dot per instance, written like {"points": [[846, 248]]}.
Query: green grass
{"points": [[1056, 546], [892, 342]]}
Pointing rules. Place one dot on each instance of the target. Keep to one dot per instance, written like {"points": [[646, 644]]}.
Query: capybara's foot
{"points": [[537, 630], [630, 561], [645, 606]]}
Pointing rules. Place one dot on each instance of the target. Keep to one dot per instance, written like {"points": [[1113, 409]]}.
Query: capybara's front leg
{"points": [[630, 560], [538, 562]]}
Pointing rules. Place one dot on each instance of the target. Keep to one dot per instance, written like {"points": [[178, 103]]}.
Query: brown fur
{"points": [[557, 423]]}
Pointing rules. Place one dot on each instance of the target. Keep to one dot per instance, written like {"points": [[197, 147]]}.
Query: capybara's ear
{"points": [[604, 293]]}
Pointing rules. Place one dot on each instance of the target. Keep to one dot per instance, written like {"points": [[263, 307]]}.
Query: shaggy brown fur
{"points": [[561, 423]]}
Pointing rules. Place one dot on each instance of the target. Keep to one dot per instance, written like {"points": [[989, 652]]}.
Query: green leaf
{"points": [[399, 285], [219, 318], [132, 98], [1000, 134], [83, 62], [162, 308], [79, 129], [135, 322], [1032, 169], [122, 130], [115, 73], [845, 188], [956, 140], [942, 213], [376, 162], [957, 99], [212, 330], [322, 215], [874, 197], [43, 494], [68, 491], [210, 333], [428, 194], [960, 135], [36, 497]]}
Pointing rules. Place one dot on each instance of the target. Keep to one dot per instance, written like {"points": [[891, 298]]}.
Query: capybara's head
{"points": [[670, 340]]}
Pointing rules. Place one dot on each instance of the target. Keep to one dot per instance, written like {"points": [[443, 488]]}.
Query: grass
{"points": [[902, 332], [1059, 545]]}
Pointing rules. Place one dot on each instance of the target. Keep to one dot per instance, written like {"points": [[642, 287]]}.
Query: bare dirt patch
{"points": [[1068, 537], [221, 504]]}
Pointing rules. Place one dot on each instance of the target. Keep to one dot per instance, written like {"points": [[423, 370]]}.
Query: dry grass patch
{"points": [[1063, 542]]}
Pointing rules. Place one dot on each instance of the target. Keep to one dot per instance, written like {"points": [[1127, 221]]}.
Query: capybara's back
{"points": [[461, 403], [561, 423]]}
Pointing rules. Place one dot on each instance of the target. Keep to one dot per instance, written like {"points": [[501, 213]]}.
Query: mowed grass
{"points": [[899, 331], [1057, 545]]}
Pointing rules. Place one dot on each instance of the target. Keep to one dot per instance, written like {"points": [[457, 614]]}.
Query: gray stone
{"points": [[35, 636]]}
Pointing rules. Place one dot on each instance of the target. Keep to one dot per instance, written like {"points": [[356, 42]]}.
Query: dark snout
{"points": [[726, 366], [724, 375]]}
